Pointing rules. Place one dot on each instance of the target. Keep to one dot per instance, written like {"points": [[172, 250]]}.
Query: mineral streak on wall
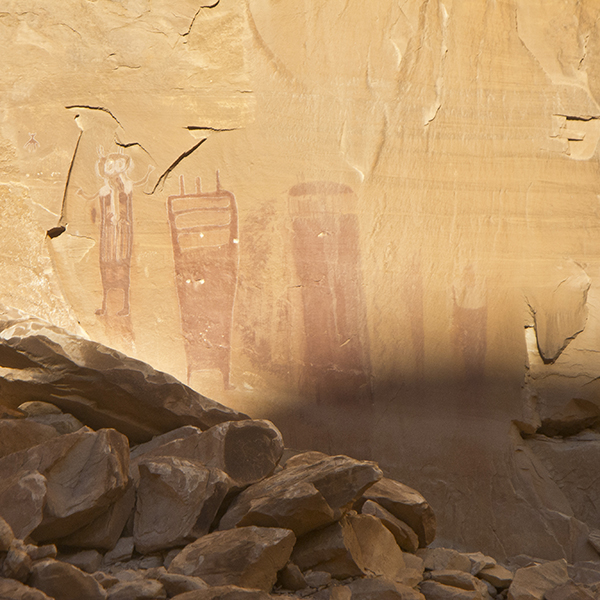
{"points": [[417, 259]]}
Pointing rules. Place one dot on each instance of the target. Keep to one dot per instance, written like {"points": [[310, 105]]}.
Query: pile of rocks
{"points": [[205, 510]]}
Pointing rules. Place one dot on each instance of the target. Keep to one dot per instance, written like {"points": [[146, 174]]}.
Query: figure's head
{"points": [[113, 165]]}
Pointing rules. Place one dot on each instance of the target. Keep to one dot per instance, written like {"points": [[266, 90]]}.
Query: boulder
{"points": [[6, 535], [86, 560], [19, 434], [64, 482], [571, 591], [437, 559], [433, 590], [122, 551], [405, 504], [303, 497], [533, 583], [459, 579], [247, 557], [177, 500], [355, 546], [63, 581], [405, 537], [248, 450], [175, 584], [500, 577], [147, 589], [225, 592], [291, 578], [105, 530], [380, 588], [62, 423], [479, 561], [14, 590], [96, 384], [17, 564]]}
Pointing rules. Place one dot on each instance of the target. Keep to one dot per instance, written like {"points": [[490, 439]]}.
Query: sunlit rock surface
{"points": [[375, 224]]}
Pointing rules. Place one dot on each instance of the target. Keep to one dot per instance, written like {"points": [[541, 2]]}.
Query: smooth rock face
{"points": [[406, 504], [303, 497], [99, 386], [177, 500], [246, 557]]}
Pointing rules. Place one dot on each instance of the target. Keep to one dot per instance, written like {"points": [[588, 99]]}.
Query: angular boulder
{"points": [[175, 584], [432, 590], [147, 589], [104, 531], [437, 559], [177, 501], [20, 434], [63, 581], [96, 384], [225, 592], [406, 538], [405, 504], [355, 546], [247, 450], [63, 483], [303, 497], [533, 583], [14, 590], [500, 577], [459, 579], [247, 557], [380, 588]]}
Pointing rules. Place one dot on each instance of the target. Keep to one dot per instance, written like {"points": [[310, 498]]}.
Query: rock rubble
{"points": [[199, 514]]}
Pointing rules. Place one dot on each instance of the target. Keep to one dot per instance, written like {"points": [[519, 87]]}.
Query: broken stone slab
{"points": [[247, 450], [20, 434], [355, 546], [500, 577], [532, 583], [64, 482], [380, 588], [177, 500], [11, 589], [104, 531], [438, 559], [291, 578], [405, 504], [413, 573], [305, 458], [303, 497], [144, 589], [97, 385], [247, 557], [479, 561], [63, 581], [432, 590], [578, 414], [406, 538], [175, 584], [226, 592], [459, 579]]}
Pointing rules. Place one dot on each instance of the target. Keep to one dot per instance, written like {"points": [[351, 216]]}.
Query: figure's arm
{"points": [[81, 193], [144, 179]]}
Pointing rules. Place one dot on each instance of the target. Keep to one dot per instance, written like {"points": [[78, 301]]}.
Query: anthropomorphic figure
{"points": [[116, 225]]}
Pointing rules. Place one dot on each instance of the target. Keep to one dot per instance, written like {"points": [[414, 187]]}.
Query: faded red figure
{"points": [[116, 225], [204, 232]]}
